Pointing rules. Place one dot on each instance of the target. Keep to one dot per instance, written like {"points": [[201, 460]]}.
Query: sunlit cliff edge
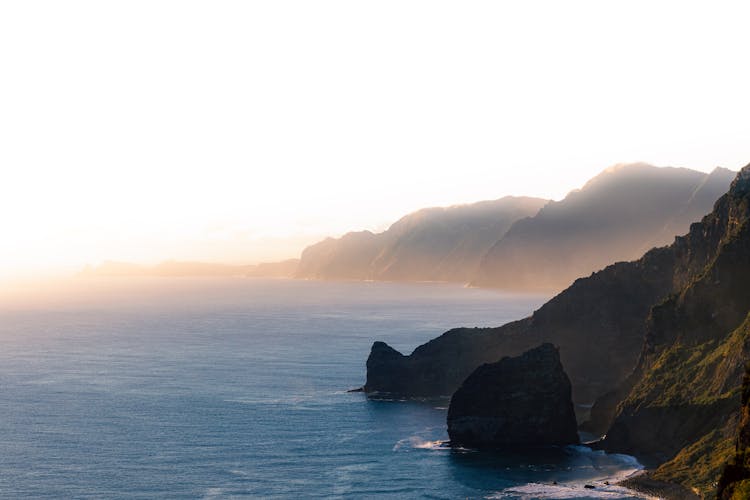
{"points": [[658, 344]]}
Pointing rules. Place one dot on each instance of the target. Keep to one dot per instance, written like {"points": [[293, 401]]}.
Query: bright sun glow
{"points": [[241, 131]]}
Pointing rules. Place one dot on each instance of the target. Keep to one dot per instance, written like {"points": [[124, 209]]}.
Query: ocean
{"points": [[232, 387]]}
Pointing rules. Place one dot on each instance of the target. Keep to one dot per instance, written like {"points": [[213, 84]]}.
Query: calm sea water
{"points": [[220, 388]]}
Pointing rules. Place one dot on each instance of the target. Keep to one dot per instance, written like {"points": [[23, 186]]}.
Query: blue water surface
{"points": [[221, 388]]}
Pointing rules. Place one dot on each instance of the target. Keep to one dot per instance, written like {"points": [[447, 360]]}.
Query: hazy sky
{"points": [[242, 130]]}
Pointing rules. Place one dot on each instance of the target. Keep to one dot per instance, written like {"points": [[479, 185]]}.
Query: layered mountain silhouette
{"points": [[433, 244], [527, 243], [618, 215], [659, 343], [681, 404]]}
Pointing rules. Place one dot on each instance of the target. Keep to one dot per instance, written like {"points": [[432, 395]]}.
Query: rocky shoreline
{"points": [[642, 483], [658, 345]]}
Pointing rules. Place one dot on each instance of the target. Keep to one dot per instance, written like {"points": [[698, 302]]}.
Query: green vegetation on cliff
{"points": [[681, 410], [661, 341], [734, 483]]}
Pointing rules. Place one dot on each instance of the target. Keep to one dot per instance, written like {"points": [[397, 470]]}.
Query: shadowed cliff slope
{"points": [[662, 340], [618, 215], [433, 244], [599, 323], [734, 482], [590, 321], [680, 405]]}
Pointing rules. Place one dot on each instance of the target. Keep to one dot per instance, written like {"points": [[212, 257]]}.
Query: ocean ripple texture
{"points": [[237, 388]]}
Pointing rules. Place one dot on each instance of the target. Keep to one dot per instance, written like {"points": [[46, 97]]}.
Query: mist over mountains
{"points": [[659, 344], [617, 216], [514, 243], [527, 243], [173, 268], [432, 244]]}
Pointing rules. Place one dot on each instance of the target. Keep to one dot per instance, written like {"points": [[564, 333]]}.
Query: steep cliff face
{"points": [[346, 258], [591, 321], [678, 413], [516, 401], [599, 322], [734, 483], [618, 215], [433, 244], [679, 316]]}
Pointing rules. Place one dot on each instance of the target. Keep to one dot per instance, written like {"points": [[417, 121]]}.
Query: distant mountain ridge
{"points": [[617, 216], [680, 406], [527, 243], [172, 268], [659, 343], [432, 244]]}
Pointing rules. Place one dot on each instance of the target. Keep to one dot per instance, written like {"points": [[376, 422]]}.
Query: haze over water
{"points": [[237, 387]]}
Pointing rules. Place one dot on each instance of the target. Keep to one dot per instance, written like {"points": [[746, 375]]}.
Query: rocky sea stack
{"points": [[524, 400]]}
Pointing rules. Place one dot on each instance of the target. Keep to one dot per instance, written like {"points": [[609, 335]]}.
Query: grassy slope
{"points": [[684, 407], [704, 375]]}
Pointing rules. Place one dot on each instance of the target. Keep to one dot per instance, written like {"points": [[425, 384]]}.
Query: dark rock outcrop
{"points": [[524, 400], [595, 317], [688, 305]]}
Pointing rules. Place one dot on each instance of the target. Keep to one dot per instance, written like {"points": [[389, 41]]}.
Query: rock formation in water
{"points": [[687, 305], [521, 401], [433, 244], [617, 216], [591, 320]]}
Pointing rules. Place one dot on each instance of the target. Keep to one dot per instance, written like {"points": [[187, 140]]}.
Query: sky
{"points": [[241, 131]]}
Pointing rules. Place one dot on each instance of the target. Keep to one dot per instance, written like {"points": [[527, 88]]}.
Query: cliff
{"points": [[617, 216], [734, 483], [599, 323], [433, 244], [592, 320], [678, 317], [521, 401], [680, 408]]}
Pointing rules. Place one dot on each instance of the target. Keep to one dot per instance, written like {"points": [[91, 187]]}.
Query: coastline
{"points": [[609, 486], [642, 483]]}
